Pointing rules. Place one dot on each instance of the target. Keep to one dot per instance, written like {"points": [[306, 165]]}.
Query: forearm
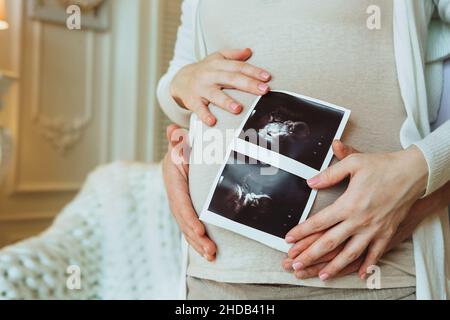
{"points": [[420, 211]]}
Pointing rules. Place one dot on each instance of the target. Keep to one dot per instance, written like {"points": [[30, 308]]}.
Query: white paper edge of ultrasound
{"points": [[246, 231], [265, 238]]}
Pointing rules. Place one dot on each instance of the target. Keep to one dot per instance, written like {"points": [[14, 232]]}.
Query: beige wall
{"points": [[83, 98]]}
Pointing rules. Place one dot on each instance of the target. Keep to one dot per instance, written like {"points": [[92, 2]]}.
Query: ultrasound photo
{"points": [[303, 129], [261, 190], [271, 203]]}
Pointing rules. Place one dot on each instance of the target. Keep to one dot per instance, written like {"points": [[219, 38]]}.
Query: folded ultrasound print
{"points": [[261, 190]]}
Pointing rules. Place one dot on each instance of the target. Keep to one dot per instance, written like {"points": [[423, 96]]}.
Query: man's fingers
{"points": [[334, 174], [224, 101], [311, 272], [352, 268], [351, 252], [169, 131], [321, 221], [203, 247], [236, 54], [179, 148], [374, 254], [287, 264]]}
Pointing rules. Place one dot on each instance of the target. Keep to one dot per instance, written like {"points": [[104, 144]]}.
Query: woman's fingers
{"points": [[242, 82], [224, 101], [334, 174], [202, 111], [327, 243], [342, 151], [314, 270], [246, 69], [303, 244], [321, 221], [236, 54], [374, 253], [354, 248]]}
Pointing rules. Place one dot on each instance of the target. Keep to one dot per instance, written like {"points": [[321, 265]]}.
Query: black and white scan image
{"points": [[304, 130], [272, 203]]}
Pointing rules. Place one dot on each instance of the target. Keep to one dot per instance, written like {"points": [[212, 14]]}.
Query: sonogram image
{"points": [[294, 127], [272, 203]]}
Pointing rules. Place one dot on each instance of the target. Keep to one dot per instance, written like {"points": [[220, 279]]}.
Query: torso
{"points": [[319, 49]]}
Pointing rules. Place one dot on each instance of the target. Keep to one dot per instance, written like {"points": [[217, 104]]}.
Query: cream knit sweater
{"points": [[422, 42]]}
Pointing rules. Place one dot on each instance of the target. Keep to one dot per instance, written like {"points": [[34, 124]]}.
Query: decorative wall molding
{"points": [[61, 133], [96, 13]]}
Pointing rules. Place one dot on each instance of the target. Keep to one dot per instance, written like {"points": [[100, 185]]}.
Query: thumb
{"points": [[342, 151], [331, 176], [237, 54]]}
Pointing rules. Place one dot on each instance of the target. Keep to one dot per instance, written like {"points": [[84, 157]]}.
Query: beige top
{"points": [[319, 49]]}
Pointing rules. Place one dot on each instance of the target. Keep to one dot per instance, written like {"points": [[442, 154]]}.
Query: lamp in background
{"points": [[3, 21]]}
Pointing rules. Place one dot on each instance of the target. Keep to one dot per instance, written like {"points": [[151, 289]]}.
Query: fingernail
{"points": [[236, 107], [211, 120], [314, 181], [265, 75], [297, 266], [206, 257], [205, 250], [290, 239], [324, 276], [263, 87]]}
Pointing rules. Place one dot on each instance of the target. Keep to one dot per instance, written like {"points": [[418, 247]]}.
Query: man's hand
{"points": [[175, 171]]}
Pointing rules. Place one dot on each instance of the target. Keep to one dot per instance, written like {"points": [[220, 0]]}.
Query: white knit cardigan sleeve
{"points": [[436, 146], [184, 55]]}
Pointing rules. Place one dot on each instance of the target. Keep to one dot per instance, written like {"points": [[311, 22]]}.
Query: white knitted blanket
{"points": [[116, 239]]}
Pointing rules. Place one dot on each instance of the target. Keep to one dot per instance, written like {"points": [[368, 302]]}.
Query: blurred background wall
{"points": [[82, 98]]}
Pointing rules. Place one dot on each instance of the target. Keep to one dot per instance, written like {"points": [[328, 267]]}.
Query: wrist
{"points": [[417, 167], [174, 92]]}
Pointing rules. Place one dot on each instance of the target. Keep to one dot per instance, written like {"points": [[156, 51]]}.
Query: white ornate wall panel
{"points": [[83, 98], [58, 114], [64, 117]]}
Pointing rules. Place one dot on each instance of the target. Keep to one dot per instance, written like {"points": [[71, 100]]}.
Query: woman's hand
{"points": [[175, 171], [381, 192], [422, 209], [197, 85]]}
